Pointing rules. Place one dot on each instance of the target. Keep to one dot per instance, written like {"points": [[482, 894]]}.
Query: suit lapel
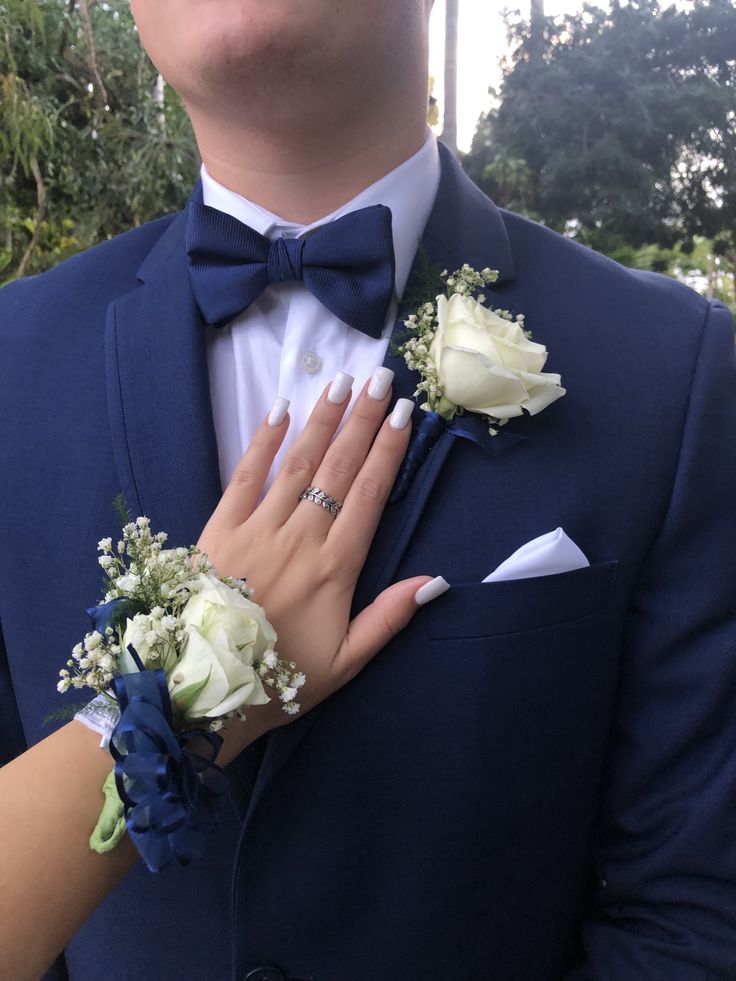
{"points": [[464, 226], [158, 396]]}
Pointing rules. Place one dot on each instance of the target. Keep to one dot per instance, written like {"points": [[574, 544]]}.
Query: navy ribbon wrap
{"points": [[472, 426], [169, 783]]}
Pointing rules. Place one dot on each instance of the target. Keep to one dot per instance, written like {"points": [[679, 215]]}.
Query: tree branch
{"points": [[40, 210], [92, 54], [64, 39]]}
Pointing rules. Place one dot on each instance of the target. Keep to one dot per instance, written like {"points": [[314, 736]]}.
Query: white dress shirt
{"points": [[286, 343]]}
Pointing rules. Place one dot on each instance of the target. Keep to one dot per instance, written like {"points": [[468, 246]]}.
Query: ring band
{"points": [[317, 496]]}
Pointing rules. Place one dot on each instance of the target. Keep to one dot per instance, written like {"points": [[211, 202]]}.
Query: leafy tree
{"points": [[91, 143], [619, 126]]}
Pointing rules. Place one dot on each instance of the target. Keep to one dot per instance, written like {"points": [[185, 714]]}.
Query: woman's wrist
{"points": [[260, 720]]}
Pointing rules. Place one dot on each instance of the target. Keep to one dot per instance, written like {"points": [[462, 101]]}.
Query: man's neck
{"points": [[303, 176]]}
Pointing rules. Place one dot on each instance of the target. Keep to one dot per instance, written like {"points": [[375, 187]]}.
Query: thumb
{"points": [[387, 615]]}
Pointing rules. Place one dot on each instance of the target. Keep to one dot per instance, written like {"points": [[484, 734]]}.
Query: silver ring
{"points": [[317, 496]]}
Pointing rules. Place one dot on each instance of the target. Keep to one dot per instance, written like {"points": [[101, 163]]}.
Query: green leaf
{"points": [[110, 826], [65, 714], [446, 409], [426, 282], [121, 510], [186, 697], [126, 609]]}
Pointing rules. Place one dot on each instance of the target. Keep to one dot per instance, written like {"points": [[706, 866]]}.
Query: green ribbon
{"points": [[110, 826]]}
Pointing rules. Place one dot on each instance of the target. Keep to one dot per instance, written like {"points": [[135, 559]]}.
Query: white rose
{"points": [[487, 364], [225, 631]]}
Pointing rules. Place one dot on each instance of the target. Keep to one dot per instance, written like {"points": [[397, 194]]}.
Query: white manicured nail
{"points": [[380, 383], [340, 387], [402, 414], [431, 590], [278, 413]]}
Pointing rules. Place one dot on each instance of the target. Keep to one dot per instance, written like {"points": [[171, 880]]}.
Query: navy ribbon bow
{"points": [[169, 785], [347, 264]]}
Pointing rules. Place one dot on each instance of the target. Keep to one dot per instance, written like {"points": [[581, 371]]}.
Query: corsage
{"points": [[176, 653]]}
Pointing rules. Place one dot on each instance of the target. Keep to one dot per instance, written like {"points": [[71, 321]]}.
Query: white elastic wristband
{"points": [[101, 715]]}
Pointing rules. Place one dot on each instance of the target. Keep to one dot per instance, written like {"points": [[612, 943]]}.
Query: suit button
{"points": [[265, 974]]}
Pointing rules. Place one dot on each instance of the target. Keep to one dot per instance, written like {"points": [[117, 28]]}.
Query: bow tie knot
{"points": [[285, 260], [347, 264]]}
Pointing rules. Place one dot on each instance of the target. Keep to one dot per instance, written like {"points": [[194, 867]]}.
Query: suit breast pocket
{"points": [[476, 610]]}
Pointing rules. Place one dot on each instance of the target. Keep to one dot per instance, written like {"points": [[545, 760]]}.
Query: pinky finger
{"points": [[244, 489], [379, 623]]}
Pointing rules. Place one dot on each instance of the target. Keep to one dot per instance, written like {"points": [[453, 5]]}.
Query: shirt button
{"points": [[310, 362]]}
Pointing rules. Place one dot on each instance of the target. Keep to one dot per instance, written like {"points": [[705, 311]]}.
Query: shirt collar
{"points": [[409, 191]]}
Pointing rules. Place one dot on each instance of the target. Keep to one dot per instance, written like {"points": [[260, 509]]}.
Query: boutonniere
{"points": [[478, 367]]}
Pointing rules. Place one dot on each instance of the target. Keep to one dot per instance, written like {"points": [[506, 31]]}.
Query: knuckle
{"points": [[260, 443], [371, 490], [323, 418], [340, 464], [364, 413], [243, 478], [296, 465], [390, 625]]}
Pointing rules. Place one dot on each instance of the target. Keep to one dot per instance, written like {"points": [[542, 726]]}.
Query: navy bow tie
{"points": [[347, 264]]}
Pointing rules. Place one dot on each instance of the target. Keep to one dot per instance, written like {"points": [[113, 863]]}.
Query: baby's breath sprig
{"points": [[284, 678], [143, 570], [423, 325], [467, 281], [148, 588], [154, 584]]}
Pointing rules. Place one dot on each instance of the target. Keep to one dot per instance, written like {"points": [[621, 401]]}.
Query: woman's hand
{"points": [[302, 561], [303, 564]]}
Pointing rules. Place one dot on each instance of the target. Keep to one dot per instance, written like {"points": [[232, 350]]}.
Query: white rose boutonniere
{"points": [[478, 368], [475, 359], [486, 363]]}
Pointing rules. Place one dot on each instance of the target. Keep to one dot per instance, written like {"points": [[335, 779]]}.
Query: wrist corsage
{"points": [[176, 653]]}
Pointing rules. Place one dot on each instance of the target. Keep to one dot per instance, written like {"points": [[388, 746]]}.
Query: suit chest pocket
{"points": [[477, 610]]}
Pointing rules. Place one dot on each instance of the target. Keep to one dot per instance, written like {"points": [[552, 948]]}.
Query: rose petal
{"points": [[465, 335], [249, 693], [543, 394], [474, 382], [197, 662], [522, 354]]}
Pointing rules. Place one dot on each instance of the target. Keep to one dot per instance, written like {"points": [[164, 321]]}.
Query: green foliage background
{"points": [[81, 129], [617, 127]]}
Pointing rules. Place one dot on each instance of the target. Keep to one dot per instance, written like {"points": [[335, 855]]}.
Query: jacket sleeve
{"points": [[12, 740], [664, 852]]}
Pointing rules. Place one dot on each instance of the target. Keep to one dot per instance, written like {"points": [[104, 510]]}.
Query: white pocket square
{"points": [[544, 556]]}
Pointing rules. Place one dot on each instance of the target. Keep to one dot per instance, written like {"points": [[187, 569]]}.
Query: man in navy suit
{"points": [[537, 779]]}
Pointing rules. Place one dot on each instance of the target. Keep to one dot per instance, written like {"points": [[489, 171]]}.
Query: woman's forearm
{"points": [[50, 879]]}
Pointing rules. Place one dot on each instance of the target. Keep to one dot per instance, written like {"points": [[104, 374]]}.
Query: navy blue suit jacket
{"points": [[537, 779]]}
